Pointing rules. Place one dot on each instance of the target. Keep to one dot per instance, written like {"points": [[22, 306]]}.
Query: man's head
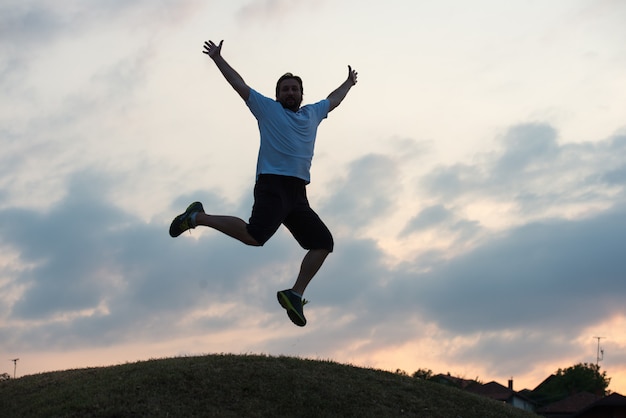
{"points": [[289, 91]]}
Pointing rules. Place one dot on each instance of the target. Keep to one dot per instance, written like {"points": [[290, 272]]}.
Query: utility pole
{"points": [[600, 352], [14, 366]]}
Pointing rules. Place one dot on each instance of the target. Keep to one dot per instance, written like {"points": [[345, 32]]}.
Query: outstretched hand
{"points": [[352, 75], [212, 50]]}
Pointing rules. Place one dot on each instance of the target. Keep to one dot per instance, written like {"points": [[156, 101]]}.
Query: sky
{"points": [[474, 181]]}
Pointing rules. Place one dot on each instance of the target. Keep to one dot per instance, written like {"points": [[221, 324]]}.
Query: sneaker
{"points": [[182, 222], [293, 303]]}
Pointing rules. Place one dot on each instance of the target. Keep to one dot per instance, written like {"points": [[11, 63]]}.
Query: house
{"points": [[578, 405], [495, 390], [612, 406], [568, 407]]}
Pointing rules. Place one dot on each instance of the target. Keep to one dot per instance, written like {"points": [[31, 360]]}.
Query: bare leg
{"points": [[236, 228], [230, 225], [311, 263]]}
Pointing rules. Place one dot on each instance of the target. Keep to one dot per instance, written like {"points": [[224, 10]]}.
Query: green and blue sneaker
{"points": [[293, 303], [183, 222]]}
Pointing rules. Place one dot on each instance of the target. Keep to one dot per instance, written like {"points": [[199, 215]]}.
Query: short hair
{"points": [[289, 76]]}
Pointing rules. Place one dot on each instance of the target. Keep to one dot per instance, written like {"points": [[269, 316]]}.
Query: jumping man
{"points": [[288, 133]]}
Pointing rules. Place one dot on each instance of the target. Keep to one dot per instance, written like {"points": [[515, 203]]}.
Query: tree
{"points": [[424, 374], [582, 377], [401, 372]]}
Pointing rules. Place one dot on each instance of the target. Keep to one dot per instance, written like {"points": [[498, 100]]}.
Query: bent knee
{"points": [[251, 241]]}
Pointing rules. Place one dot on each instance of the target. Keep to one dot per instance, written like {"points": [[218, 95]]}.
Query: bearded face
{"points": [[290, 94]]}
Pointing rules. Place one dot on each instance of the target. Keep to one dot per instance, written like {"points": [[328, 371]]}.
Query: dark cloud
{"points": [[509, 353], [526, 148], [564, 274], [533, 172], [94, 275], [548, 273], [513, 291], [20, 21], [443, 220], [428, 218], [515, 287], [448, 183], [368, 191], [99, 273]]}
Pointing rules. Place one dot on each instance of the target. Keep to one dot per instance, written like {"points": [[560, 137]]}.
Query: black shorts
{"points": [[282, 200]]}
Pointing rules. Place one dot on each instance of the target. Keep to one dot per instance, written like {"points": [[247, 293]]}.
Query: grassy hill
{"points": [[238, 386]]}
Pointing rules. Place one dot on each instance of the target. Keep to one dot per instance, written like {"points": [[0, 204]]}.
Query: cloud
{"points": [[438, 218], [35, 36], [526, 147], [21, 21], [535, 174], [552, 269], [366, 193], [99, 273], [564, 274], [510, 288], [482, 259], [60, 117], [32, 21], [273, 10], [94, 273], [61, 139]]}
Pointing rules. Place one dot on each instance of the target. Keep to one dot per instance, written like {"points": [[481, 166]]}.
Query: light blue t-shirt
{"points": [[287, 138]]}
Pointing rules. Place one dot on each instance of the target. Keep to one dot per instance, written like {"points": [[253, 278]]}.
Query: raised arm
{"points": [[234, 79], [337, 96]]}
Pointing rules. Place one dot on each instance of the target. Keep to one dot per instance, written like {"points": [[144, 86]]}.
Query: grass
{"points": [[239, 386]]}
